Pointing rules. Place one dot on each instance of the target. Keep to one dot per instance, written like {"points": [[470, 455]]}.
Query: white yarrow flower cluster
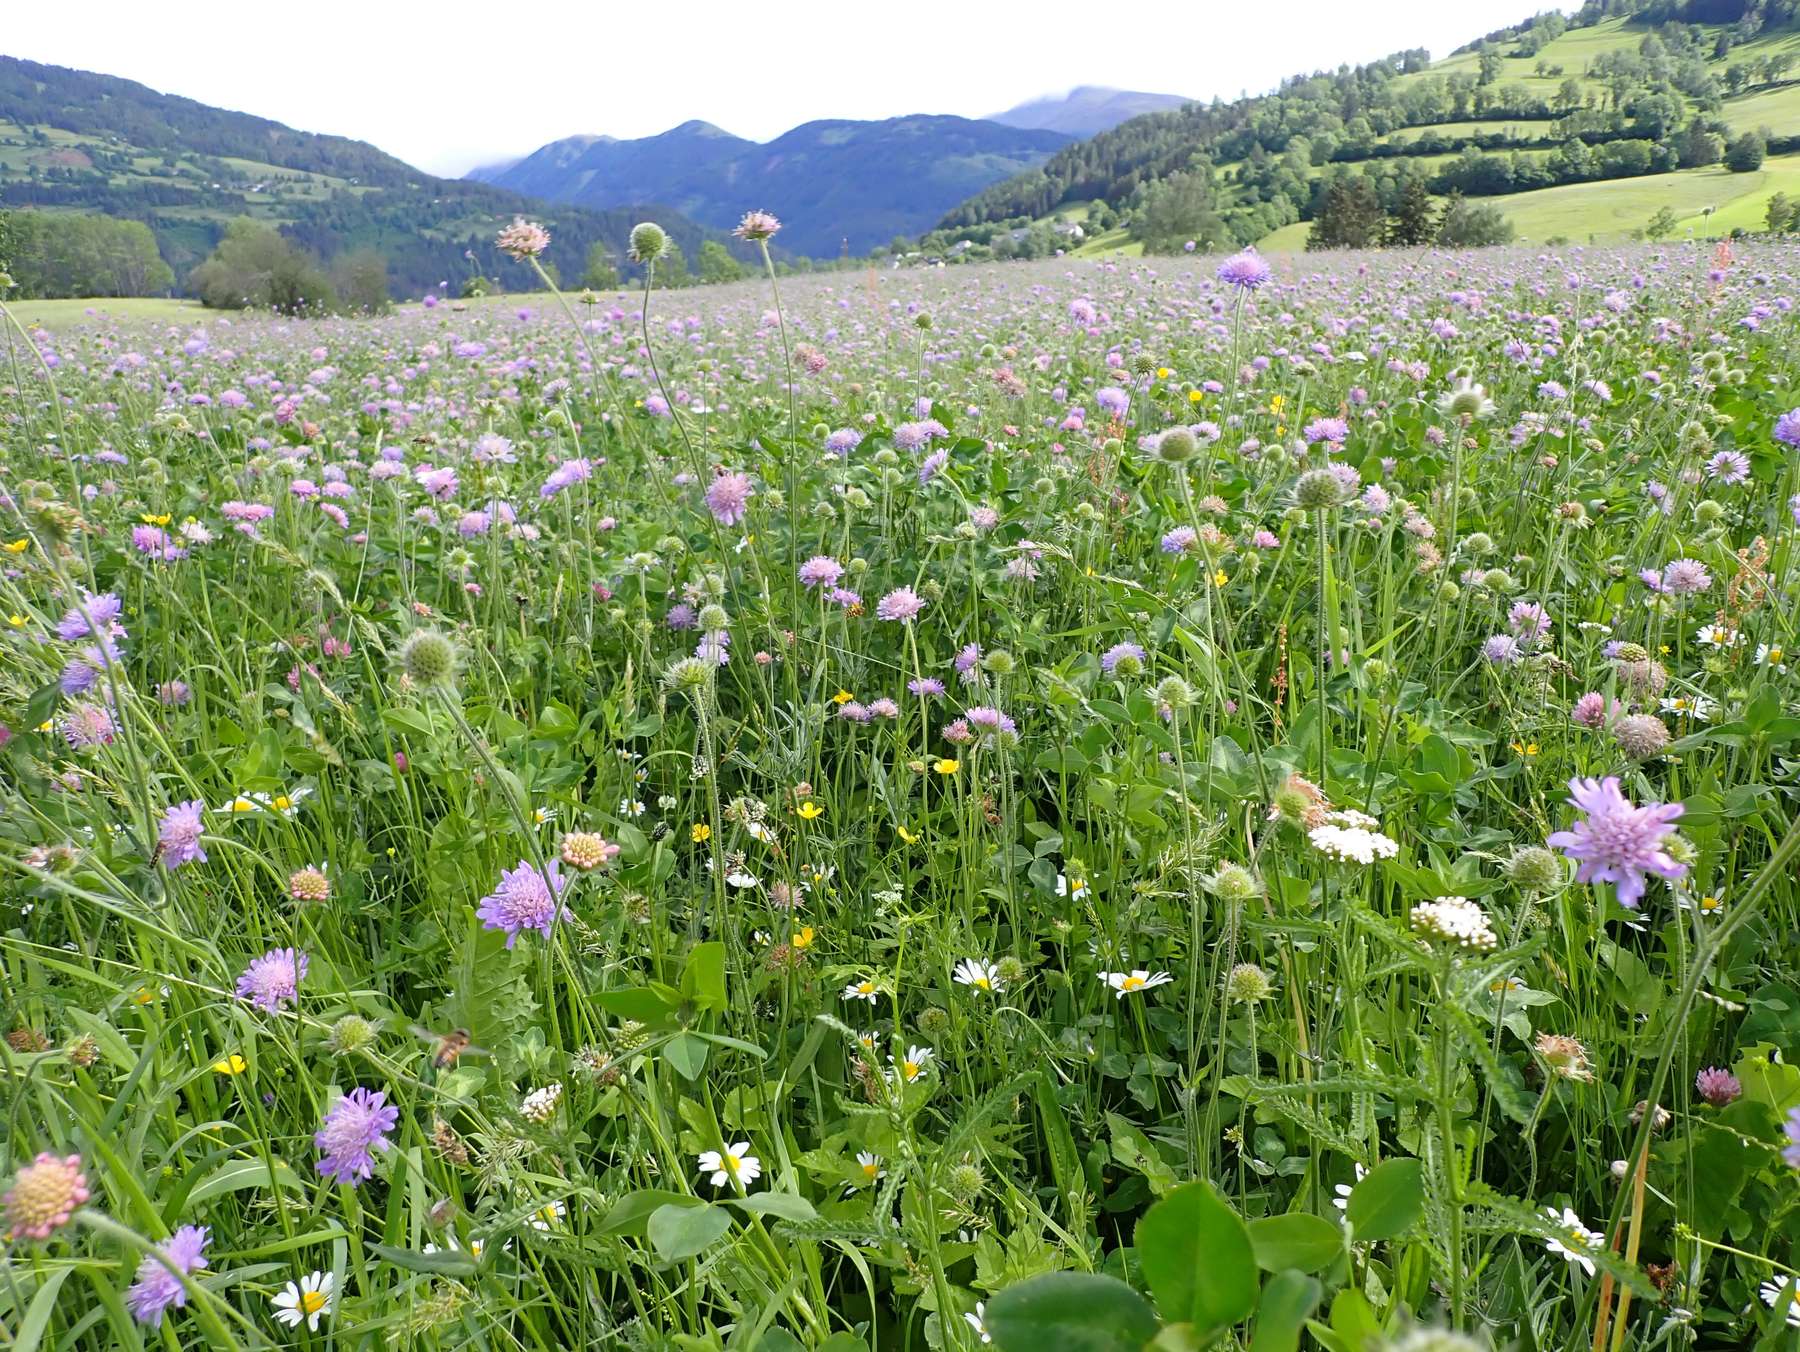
{"points": [[1352, 837], [1455, 920], [540, 1104]]}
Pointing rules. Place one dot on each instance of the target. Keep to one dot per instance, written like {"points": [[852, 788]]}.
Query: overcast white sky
{"points": [[449, 85]]}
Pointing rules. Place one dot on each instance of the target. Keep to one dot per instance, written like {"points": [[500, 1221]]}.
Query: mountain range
{"points": [[835, 184], [1087, 110]]}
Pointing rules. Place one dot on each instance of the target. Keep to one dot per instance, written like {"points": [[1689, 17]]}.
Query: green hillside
{"points": [[1568, 125], [80, 142]]}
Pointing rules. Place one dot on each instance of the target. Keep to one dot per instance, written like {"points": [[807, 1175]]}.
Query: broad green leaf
{"points": [[637, 1002], [687, 1054], [631, 1213], [781, 1205], [703, 980], [681, 1231], [1295, 1240], [1198, 1259], [1388, 1200], [1287, 1301], [1070, 1312]]}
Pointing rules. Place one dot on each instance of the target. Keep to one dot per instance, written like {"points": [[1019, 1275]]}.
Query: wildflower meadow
{"points": [[1068, 806]]}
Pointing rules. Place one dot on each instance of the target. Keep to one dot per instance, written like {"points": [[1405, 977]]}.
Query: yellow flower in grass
{"points": [[946, 766], [907, 836], [701, 833], [231, 1065], [810, 810], [842, 697], [18, 546], [150, 519], [803, 938]]}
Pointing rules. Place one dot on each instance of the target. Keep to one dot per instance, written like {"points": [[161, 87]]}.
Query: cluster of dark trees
{"points": [[1352, 216]]}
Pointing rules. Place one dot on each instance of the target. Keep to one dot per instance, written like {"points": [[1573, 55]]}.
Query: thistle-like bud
{"points": [[1319, 490], [428, 658], [648, 240], [1177, 445]]}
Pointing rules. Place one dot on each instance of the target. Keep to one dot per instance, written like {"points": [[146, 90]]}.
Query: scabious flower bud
{"points": [[1176, 445], [1233, 883], [1641, 736], [999, 663], [688, 675], [933, 1022], [1319, 490], [1478, 543], [1174, 693], [713, 618], [1534, 869], [1009, 970], [965, 1181], [428, 658], [351, 1034], [648, 240], [922, 320], [1248, 984], [309, 884], [1708, 512]]}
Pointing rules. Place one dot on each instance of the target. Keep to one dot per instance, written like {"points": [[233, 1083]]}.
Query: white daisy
{"points": [[1771, 655], [631, 807], [975, 1321], [1074, 891], [1578, 1238], [1776, 1290], [866, 989], [1141, 979], [311, 1298], [734, 1162], [911, 1066], [979, 973], [549, 1214]]}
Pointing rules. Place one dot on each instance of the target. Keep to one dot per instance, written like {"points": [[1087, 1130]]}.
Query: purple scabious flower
{"points": [[1684, 577], [821, 570], [1113, 400], [87, 725], [354, 1127], [1787, 428], [1617, 842], [931, 464], [681, 616], [1590, 711], [1729, 467], [884, 708], [525, 899], [843, 441], [1528, 620], [902, 604], [1180, 540], [1791, 1152], [926, 686], [854, 711], [1120, 652], [178, 842], [1334, 430], [157, 1288], [174, 693], [1247, 269], [1501, 649], [273, 979], [102, 610], [909, 436], [968, 657], [566, 475], [989, 719], [1717, 1087], [727, 498], [844, 597]]}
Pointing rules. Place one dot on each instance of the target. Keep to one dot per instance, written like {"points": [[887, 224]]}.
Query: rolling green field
{"points": [[54, 314]]}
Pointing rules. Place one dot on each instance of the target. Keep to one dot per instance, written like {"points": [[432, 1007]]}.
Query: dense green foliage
{"points": [[80, 255]]}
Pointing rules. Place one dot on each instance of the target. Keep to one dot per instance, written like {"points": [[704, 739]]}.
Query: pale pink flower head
{"points": [[728, 498], [523, 239], [44, 1196], [1616, 841], [902, 604], [757, 225]]}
